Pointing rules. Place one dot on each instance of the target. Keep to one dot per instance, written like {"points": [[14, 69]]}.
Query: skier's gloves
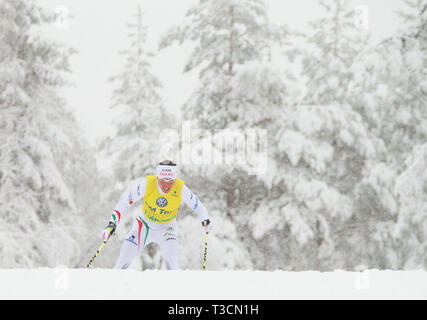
{"points": [[108, 231], [207, 225]]}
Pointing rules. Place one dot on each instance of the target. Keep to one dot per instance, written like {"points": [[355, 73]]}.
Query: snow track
{"points": [[62, 283]]}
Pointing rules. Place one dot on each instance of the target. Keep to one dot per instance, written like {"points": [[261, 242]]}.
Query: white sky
{"points": [[98, 31]]}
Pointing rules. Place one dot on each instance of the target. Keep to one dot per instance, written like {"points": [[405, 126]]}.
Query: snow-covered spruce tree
{"points": [[232, 40], [133, 145], [390, 94], [76, 162], [38, 218], [319, 153], [141, 114], [331, 46], [411, 14], [304, 223]]}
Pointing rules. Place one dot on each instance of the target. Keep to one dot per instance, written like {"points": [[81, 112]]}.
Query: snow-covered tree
{"points": [[319, 158], [141, 116], [226, 35], [390, 94], [232, 55], [411, 13], [390, 90], [317, 151], [331, 46], [40, 217]]}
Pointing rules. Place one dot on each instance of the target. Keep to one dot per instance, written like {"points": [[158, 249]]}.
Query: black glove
{"points": [[108, 231], [207, 225]]}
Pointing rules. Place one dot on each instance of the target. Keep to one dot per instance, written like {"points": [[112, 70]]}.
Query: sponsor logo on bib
{"points": [[162, 202]]}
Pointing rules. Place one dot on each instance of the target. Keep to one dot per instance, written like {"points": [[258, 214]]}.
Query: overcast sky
{"points": [[98, 31]]}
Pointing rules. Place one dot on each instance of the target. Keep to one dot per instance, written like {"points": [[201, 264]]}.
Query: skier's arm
{"points": [[192, 201], [134, 195]]}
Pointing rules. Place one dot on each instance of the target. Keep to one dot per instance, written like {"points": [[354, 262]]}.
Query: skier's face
{"points": [[165, 184]]}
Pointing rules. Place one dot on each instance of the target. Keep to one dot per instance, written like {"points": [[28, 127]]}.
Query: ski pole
{"points": [[205, 251], [97, 252]]}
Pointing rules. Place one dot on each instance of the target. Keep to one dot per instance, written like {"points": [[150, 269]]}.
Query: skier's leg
{"points": [[169, 246], [132, 245]]}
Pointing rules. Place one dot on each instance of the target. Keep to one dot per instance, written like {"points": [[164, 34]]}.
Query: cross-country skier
{"points": [[161, 197]]}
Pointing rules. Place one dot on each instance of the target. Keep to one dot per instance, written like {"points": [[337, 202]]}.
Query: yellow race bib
{"points": [[161, 208]]}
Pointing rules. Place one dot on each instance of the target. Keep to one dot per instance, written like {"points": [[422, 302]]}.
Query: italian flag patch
{"points": [[116, 218]]}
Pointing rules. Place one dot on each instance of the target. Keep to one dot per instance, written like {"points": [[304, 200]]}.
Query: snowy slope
{"points": [[63, 283]]}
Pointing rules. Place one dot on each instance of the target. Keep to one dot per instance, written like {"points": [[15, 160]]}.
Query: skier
{"points": [[161, 197]]}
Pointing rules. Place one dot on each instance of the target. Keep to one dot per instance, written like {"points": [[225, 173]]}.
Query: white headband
{"points": [[166, 172]]}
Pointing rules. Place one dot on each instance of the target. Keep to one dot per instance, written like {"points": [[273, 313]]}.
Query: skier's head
{"points": [[166, 175]]}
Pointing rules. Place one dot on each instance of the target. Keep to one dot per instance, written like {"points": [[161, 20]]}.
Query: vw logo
{"points": [[161, 202]]}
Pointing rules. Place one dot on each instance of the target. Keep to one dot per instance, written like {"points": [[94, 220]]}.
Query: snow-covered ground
{"points": [[62, 283]]}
